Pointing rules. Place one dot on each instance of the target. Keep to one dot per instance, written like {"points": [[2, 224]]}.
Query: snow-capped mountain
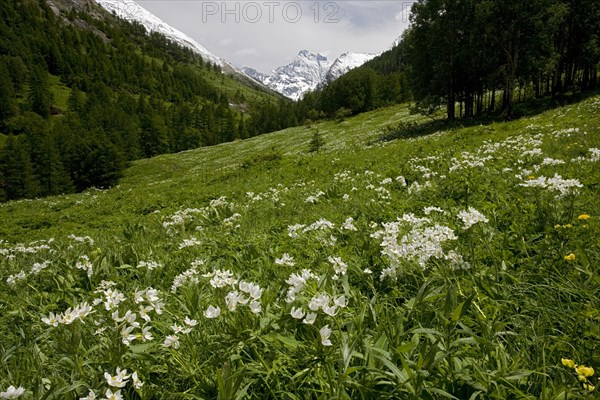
{"points": [[307, 72], [345, 63], [302, 75], [131, 11]]}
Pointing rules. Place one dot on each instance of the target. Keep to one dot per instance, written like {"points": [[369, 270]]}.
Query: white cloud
{"points": [[276, 37]]}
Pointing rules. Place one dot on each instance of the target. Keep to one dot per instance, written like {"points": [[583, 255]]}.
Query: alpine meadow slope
{"points": [[461, 265]]}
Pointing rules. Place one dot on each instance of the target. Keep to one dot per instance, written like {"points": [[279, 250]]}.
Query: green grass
{"points": [[60, 93], [484, 312]]}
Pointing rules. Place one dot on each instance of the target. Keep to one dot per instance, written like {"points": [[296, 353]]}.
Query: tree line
{"points": [[482, 55]]}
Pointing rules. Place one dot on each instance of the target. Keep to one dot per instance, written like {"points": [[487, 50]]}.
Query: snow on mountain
{"points": [[131, 11], [345, 63], [307, 72], [254, 74], [302, 75]]}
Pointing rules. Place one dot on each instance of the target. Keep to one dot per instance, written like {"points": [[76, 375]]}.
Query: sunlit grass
{"points": [[461, 264]]}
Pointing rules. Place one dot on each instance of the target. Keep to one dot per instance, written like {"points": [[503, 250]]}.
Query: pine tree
{"points": [[39, 96]]}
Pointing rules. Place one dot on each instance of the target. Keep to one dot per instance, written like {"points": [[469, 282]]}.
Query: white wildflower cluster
{"points": [[186, 328], [293, 230], [188, 276], [180, 218], [33, 248], [69, 315], [533, 152], [297, 282], [221, 278], [272, 194], [430, 209], [149, 300], [86, 265], [82, 239], [320, 225], [412, 239], [595, 154], [13, 279], [12, 393], [249, 293], [349, 224], [112, 297], [314, 199], [240, 293], [383, 193], [552, 161], [149, 265], [191, 242], [339, 266], [320, 302], [416, 187], [231, 222], [471, 217], [119, 381], [39, 267], [456, 260], [285, 260], [557, 184]]}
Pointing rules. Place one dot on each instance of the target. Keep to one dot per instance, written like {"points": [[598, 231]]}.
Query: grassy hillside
{"points": [[460, 264]]}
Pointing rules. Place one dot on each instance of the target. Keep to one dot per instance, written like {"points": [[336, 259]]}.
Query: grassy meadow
{"points": [[458, 265]]}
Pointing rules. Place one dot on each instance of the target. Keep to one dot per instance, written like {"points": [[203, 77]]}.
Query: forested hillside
{"points": [[82, 93]]}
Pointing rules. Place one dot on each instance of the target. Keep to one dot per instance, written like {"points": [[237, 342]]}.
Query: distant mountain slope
{"points": [[345, 63], [131, 11]]}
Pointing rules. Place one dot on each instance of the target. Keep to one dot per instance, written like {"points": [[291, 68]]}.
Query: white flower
{"points": [[190, 322], [119, 380], [51, 319], [146, 335], [136, 381], [113, 396], [349, 224], [285, 259], [331, 311], [69, 316], [255, 306], [234, 298], [297, 313], [91, 396], [12, 392], [339, 266], [471, 217], [341, 301], [318, 302], [325, 332], [212, 312], [367, 271], [310, 318], [171, 341]]}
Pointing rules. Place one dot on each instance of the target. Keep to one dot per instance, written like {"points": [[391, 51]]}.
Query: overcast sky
{"points": [[267, 34]]}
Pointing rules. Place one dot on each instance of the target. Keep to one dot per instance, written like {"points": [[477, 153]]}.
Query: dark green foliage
{"points": [[464, 52], [130, 95], [316, 142]]}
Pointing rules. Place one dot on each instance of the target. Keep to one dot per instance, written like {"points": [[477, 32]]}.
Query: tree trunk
{"points": [[450, 104]]}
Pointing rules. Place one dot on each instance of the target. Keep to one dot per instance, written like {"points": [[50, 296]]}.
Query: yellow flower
{"points": [[531, 177], [584, 217], [589, 387], [568, 362], [567, 226], [570, 257], [585, 371]]}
